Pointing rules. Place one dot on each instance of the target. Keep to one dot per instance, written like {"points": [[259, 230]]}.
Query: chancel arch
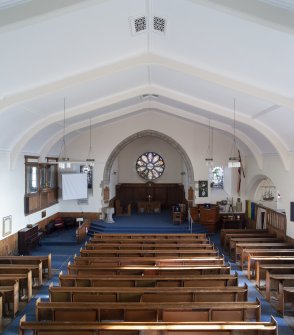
{"points": [[186, 162]]}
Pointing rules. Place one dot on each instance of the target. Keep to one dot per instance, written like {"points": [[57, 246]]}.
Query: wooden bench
{"points": [[148, 261], [10, 295], [148, 270], [279, 279], [148, 312], [150, 328], [45, 260], [149, 253], [253, 265], [150, 241], [24, 268], [285, 296], [148, 246], [147, 294], [257, 239], [25, 283], [228, 237], [261, 268], [226, 231], [148, 236], [263, 252], [259, 245], [150, 281]]}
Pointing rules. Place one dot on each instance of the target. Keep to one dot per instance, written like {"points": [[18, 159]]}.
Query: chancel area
{"points": [[146, 138]]}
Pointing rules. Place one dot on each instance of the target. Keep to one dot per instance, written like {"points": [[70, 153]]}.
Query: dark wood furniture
{"points": [[28, 238], [148, 207], [167, 194], [231, 220], [209, 217]]}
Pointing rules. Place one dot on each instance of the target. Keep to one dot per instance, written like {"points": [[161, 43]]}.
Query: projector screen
{"points": [[74, 186]]}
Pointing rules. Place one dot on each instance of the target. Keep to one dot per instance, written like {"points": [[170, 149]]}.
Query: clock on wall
{"points": [[150, 166]]}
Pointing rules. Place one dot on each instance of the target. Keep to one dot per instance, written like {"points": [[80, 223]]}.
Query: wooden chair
{"points": [[120, 210]]}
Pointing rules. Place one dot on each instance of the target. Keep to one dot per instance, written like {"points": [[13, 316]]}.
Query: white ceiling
{"points": [[211, 52]]}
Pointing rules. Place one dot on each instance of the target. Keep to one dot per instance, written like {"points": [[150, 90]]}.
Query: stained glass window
{"points": [[150, 166]]}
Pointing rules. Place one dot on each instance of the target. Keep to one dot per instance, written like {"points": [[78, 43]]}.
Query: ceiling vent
{"points": [[138, 24], [159, 24]]}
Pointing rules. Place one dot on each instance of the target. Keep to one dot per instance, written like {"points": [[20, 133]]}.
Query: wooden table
{"points": [[148, 207]]}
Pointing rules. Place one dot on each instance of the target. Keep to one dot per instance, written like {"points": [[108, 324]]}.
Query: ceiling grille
{"points": [[159, 24], [138, 24]]}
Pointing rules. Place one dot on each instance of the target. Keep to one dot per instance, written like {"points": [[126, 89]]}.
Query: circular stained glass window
{"points": [[150, 166]]}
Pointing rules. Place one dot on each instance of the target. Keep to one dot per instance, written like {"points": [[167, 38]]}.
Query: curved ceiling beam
{"points": [[169, 63], [214, 109], [216, 124], [145, 59], [24, 138], [271, 136], [127, 111], [161, 108]]}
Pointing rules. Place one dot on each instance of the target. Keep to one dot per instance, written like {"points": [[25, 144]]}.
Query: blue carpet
{"points": [[62, 244], [144, 224]]}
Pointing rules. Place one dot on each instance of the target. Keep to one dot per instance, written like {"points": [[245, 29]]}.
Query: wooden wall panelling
{"points": [[167, 194]]}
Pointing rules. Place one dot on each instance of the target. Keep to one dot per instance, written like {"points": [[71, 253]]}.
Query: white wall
{"points": [[282, 179], [12, 195], [128, 156], [191, 137]]}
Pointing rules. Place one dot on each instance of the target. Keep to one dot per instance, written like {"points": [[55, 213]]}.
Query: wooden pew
{"points": [[149, 253], [259, 245], [150, 241], [147, 261], [36, 269], [46, 262], [10, 295], [263, 252], [148, 236], [233, 241], [279, 279], [148, 312], [147, 294], [148, 270], [148, 246], [228, 237], [252, 262], [226, 231], [285, 296], [150, 328], [150, 281], [272, 268], [25, 283]]}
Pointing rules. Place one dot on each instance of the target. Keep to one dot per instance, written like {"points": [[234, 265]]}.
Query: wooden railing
{"points": [[82, 230], [274, 221]]}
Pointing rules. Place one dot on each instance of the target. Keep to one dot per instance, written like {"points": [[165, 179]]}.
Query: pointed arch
{"points": [[148, 132]]}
